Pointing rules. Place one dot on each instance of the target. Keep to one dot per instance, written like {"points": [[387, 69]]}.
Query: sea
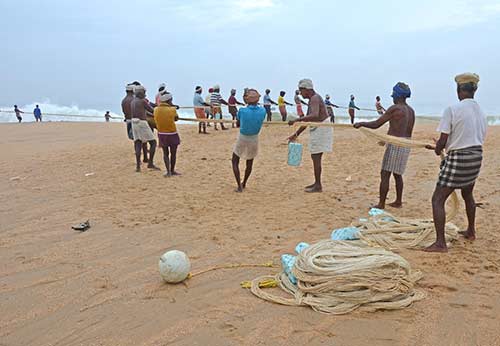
{"points": [[53, 112]]}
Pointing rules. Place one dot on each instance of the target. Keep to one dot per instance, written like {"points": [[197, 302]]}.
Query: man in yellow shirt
{"points": [[165, 116], [282, 105]]}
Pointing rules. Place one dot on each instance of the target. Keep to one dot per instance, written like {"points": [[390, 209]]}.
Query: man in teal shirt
{"points": [[250, 120]]}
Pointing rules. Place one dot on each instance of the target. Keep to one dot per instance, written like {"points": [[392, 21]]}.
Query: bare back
{"points": [[126, 106], [402, 120], [139, 106]]}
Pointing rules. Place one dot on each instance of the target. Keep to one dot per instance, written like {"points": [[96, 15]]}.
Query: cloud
{"points": [[449, 15], [218, 13]]}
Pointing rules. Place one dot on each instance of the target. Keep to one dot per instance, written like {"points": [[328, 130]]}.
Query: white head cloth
{"points": [[306, 84], [138, 89], [165, 96]]}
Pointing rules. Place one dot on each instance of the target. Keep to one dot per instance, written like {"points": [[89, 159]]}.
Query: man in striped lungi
{"points": [[463, 129]]}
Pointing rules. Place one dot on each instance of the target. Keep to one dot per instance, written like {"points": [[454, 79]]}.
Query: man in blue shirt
{"points": [[250, 120], [38, 114], [267, 104], [199, 109]]}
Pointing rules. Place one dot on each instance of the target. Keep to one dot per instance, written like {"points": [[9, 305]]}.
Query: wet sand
{"points": [[102, 287]]}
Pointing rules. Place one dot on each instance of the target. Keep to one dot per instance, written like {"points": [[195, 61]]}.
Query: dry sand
{"points": [[101, 287]]}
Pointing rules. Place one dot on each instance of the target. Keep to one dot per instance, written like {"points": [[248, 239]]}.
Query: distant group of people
{"points": [[37, 113]]}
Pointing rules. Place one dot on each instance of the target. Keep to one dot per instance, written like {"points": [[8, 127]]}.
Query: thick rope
{"points": [[337, 277]]}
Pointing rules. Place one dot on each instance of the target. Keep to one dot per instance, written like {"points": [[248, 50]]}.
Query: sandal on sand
{"points": [[82, 227]]}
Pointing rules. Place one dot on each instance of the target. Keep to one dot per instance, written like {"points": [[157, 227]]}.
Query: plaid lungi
{"points": [[461, 167], [395, 159]]}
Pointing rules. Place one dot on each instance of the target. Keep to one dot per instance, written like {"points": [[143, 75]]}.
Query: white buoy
{"points": [[174, 266]]}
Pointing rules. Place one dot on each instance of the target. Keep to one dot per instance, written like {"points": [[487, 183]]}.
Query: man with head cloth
{"points": [[320, 138], [127, 113], [401, 118], [199, 109], [249, 120], [463, 130], [141, 131]]}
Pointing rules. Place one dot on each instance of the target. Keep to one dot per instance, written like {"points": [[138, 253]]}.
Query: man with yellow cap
{"points": [[249, 120], [463, 129]]}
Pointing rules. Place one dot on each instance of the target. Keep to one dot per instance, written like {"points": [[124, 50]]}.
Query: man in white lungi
{"points": [[320, 138], [249, 120], [141, 131]]}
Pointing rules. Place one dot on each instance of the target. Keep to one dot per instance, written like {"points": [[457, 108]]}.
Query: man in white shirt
{"points": [[463, 129]]}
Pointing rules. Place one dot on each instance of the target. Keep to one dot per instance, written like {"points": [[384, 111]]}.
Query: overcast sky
{"points": [[83, 52]]}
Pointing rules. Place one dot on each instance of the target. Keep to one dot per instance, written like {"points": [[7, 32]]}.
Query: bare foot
{"points": [[436, 248], [314, 188], [145, 160], [396, 204], [468, 234], [138, 169], [309, 186], [153, 167], [176, 173], [378, 206], [239, 189]]}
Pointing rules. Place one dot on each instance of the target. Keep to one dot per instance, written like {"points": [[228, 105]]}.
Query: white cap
{"points": [[165, 96], [306, 84]]}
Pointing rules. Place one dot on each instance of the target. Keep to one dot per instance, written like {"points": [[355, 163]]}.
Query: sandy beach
{"points": [[102, 287]]}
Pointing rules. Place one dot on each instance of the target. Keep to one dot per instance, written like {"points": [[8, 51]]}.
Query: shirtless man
{"points": [[233, 103], [18, 113], [320, 138], [127, 112], [401, 118], [140, 128]]}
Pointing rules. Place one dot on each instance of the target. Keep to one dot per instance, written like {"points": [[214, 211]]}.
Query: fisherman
{"points": [[320, 138], [162, 87], [267, 104], [208, 111], [165, 116], [140, 128], [352, 107], [233, 102], [463, 130], [329, 108], [298, 103], [250, 120], [401, 118], [107, 116], [378, 106], [127, 113], [282, 105], [37, 113], [216, 100], [200, 107], [18, 113]]}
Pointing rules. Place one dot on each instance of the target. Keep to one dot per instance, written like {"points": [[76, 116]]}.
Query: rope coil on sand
{"points": [[338, 277]]}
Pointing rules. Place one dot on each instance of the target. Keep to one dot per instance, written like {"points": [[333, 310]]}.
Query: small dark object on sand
{"points": [[82, 227]]}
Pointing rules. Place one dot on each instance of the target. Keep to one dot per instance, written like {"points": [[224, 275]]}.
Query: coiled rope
{"points": [[338, 277]]}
